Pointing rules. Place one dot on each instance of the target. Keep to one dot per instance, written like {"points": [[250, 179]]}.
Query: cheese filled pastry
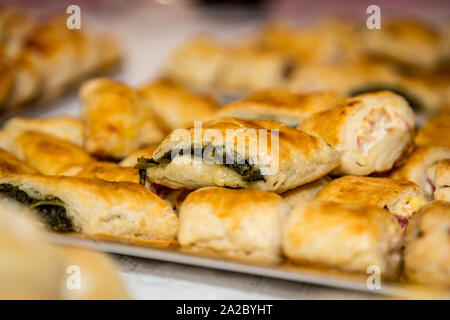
{"points": [[401, 197], [421, 167], [306, 192], [9, 163], [436, 131], [117, 121], [280, 105], [50, 155], [63, 128], [239, 224], [427, 246], [348, 237], [93, 206], [442, 180], [198, 62], [176, 106], [371, 132], [231, 152]]}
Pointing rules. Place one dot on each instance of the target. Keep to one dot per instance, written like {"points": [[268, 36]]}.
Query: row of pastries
{"points": [[354, 185]]}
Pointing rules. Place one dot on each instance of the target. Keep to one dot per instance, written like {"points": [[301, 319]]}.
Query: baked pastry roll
{"points": [[132, 159], [198, 62], [117, 121], [442, 180], [50, 155], [63, 128], [6, 78], [306, 192], [349, 237], [176, 106], [398, 39], [239, 153], [110, 171], [93, 206], [9, 163], [427, 246], [421, 165], [400, 197], [436, 131], [15, 26], [372, 131], [280, 105], [253, 68], [239, 224]]}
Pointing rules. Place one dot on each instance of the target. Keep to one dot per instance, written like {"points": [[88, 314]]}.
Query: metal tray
{"points": [[285, 271]]}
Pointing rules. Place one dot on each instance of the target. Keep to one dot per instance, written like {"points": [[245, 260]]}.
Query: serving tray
{"points": [[284, 271]]}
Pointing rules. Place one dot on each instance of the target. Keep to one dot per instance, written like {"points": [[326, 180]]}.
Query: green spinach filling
{"points": [[248, 171], [51, 210], [413, 101]]}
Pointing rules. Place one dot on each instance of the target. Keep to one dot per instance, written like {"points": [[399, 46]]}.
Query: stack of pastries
{"points": [[323, 178], [41, 58]]}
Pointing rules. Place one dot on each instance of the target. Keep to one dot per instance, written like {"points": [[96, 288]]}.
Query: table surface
{"points": [[148, 35]]}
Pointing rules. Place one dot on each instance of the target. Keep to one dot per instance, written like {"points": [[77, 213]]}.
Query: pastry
{"points": [[306, 192], [442, 180], [131, 159], [9, 163], [436, 131]]}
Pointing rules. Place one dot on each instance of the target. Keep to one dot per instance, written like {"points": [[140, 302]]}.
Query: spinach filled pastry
{"points": [[93, 206], [49, 155], [305, 192], [198, 62], [436, 131], [64, 128], [176, 106], [132, 159], [117, 121], [280, 105], [421, 167], [239, 224], [345, 236], [427, 246], [442, 180], [9, 163], [237, 153], [371, 131], [401, 197]]}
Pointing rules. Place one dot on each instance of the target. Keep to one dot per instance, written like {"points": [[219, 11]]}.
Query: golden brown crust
{"points": [[117, 122], [242, 224], [299, 158], [371, 131], [427, 246], [50, 155], [176, 106], [64, 128], [306, 192], [109, 171], [442, 180], [131, 159], [401, 197], [345, 236], [436, 131], [9, 163], [420, 167], [282, 105], [96, 206]]}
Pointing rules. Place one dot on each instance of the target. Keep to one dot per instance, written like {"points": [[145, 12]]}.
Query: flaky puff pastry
{"points": [[50, 155], [109, 171], [406, 41], [236, 153], [15, 26], [240, 224], [198, 62], [400, 197], [64, 128], [280, 105], [421, 166], [436, 131], [371, 131], [442, 180], [131, 159], [427, 246], [6, 77], [9, 163], [176, 106], [349, 237], [306, 192], [98, 207], [117, 121]]}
